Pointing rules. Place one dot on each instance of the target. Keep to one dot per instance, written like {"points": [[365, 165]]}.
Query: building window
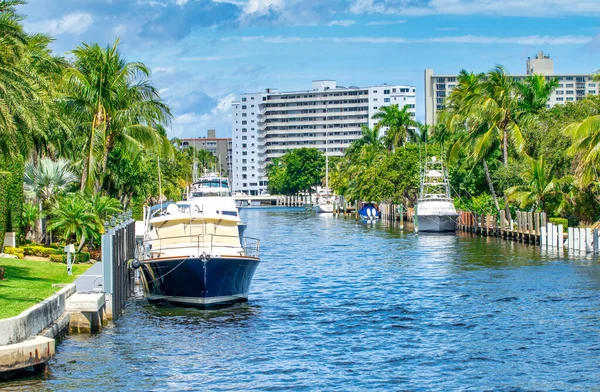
{"points": [[244, 99], [243, 107], [244, 122], [558, 99], [374, 99], [386, 100], [386, 91]]}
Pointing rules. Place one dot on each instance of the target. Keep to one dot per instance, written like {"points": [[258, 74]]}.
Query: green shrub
{"points": [[39, 251], [81, 257], [559, 221], [9, 250], [57, 258], [4, 185]]}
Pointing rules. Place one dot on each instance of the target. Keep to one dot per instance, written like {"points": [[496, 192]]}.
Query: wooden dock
{"points": [[529, 227]]}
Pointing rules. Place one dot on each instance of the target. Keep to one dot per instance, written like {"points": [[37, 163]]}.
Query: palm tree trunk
{"points": [[107, 150], [491, 184], [38, 224], [505, 162]]}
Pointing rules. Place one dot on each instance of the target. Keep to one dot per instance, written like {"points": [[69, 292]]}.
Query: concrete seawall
{"points": [[35, 319]]}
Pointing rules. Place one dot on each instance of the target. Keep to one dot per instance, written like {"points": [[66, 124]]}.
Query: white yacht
{"points": [[435, 208], [193, 252]]}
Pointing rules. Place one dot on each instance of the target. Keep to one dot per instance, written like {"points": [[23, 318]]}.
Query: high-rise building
{"points": [[219, 147], [329, 117], [571, 87]]}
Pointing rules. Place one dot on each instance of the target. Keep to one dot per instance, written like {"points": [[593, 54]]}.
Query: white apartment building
{"points": [[329, 117], [571, 87]]}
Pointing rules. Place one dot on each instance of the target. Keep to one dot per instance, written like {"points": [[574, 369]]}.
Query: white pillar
{"points": [[581, 240], [570, 238], [560, 236], [588, 240], [543, 242]]}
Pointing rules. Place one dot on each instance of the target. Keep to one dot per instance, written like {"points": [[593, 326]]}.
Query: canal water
{"points": [[340, 305]]}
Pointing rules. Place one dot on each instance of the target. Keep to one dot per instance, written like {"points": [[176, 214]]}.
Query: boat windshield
{"points": [[214, 183]]}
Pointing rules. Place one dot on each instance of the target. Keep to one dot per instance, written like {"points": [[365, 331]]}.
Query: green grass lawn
{"points": [[28, 282]]}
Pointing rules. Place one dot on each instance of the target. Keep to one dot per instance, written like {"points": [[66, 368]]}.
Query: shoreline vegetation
{"points": [[504, 150]]}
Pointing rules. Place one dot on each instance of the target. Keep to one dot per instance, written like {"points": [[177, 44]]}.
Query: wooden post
{"points": [[416, 220], [502, 222], [595, 237], [536, 229]]}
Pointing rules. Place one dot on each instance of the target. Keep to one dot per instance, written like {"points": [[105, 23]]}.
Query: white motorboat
{"points": [[193, 251], [435, 208]]}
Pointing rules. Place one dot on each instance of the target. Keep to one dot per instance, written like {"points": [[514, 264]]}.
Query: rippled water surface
{"points": [[344, 305]]}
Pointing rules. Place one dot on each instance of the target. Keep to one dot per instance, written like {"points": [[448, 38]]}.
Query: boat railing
{"points": [[204, 244]]}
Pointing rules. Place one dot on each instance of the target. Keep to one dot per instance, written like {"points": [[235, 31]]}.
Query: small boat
{"points": [[369, 211], [435, 208], [194, 252]]}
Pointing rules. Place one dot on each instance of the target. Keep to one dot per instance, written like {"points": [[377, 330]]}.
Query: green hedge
{"points": [[559, 221], [16, 166], [9, 250], [40, 251], [82, 257], [4, 185]]}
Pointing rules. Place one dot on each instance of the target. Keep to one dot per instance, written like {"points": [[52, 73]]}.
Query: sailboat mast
{"points": [[326, 152]]}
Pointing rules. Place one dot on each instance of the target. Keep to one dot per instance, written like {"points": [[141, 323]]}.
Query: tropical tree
{"points": [[28, 71], [113, 103], [72, 218], [534, 92], [585, 137], [400, 125], [44, 182], [540, 185]]}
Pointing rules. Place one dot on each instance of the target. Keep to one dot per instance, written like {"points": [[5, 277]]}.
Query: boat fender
{"points": [[135, 264]]}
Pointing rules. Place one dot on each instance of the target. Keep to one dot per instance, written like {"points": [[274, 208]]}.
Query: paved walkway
{"points": [[85, 281]]}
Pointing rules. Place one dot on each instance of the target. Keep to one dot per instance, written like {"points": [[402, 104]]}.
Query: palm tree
{"points": [[72, 218], [400, 124], [46, 181], [370, 137], [114, 103], [535, 91], [539, 186], [27, 73], [459, 118]]}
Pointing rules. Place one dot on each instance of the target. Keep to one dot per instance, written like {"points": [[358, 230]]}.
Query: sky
{"points": [[204, 53]]}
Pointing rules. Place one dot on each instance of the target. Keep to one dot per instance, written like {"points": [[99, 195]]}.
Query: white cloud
{"points": [[219, 118], [385, 22], [344, 23], [532, 8], [258, 8], [464, 39], [74, 23]]}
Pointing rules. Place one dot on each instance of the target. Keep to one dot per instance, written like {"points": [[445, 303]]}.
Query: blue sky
{"points": [[205, 52]]}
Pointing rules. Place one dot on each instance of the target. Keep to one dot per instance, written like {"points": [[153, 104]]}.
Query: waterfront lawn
{"points": [[27, 282]]}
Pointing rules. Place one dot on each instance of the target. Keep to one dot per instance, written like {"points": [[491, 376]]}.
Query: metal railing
{"points": [[204, 244]]}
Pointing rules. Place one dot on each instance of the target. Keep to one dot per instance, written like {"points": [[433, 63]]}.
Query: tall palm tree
{"points": [[534, 92], [26, 68], [400, 124], [114, 103], [458, 117]]}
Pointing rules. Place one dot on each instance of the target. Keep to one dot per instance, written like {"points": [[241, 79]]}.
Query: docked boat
{"points": [[194, 253], [323, 201], [369, 211], [435, 208]]}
